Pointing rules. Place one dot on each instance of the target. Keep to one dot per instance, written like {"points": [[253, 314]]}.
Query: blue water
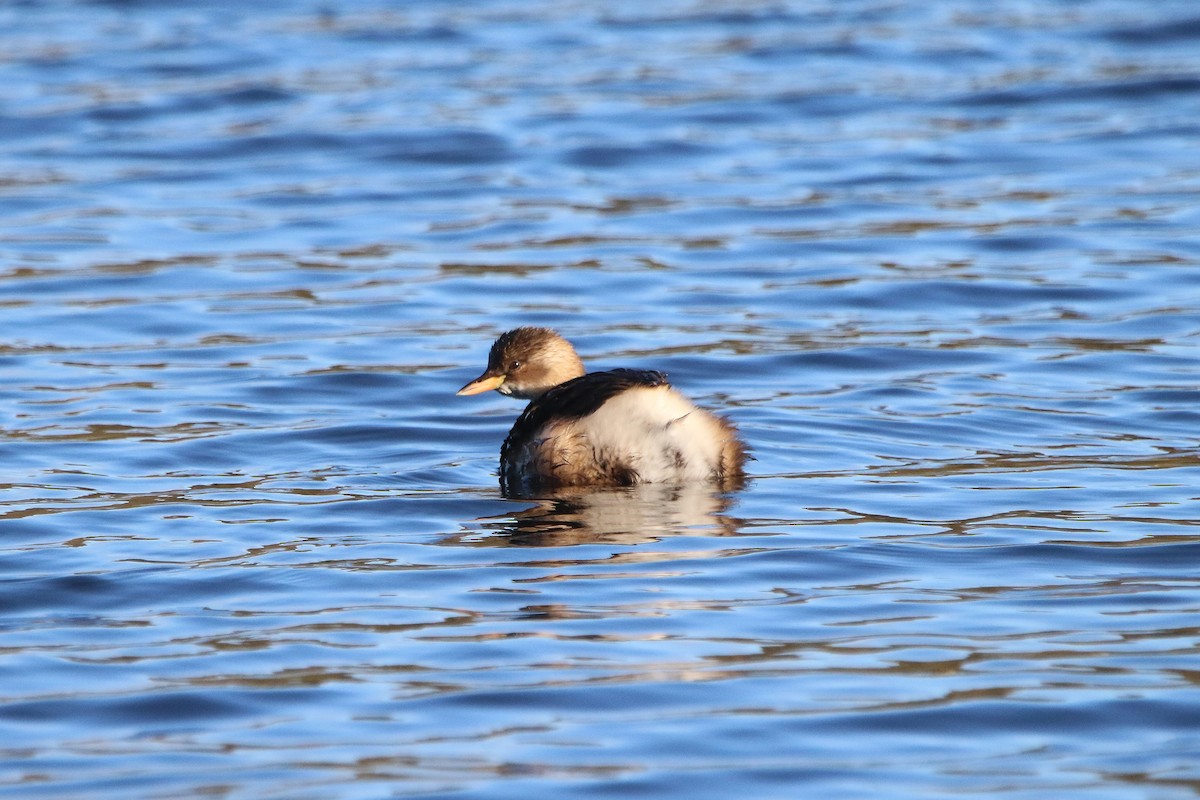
{"points": [[940, 263]]}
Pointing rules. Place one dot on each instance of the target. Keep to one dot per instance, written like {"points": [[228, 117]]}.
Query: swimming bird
{"points": [[595, 429]]}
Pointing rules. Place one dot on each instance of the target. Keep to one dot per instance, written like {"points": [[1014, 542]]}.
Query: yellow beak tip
{"points": [[481, 385]]}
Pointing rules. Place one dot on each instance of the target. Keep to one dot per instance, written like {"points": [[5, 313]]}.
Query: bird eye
{"points": [[514, 365]]}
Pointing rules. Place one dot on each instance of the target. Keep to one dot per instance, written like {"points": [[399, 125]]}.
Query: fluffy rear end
{"points": [[642, 435]]}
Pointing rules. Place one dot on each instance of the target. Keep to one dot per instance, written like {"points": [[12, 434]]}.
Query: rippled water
{"points": [[940, 264]]}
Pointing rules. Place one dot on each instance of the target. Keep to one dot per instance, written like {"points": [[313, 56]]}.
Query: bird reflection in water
{"points": [[629, 515]]}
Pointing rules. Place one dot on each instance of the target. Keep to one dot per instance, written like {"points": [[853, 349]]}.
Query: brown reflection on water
{"points": [[105, 432], [1170, 458], [228, 491], [634, 515]]}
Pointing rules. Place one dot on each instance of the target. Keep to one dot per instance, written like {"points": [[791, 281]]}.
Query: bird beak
{"points": [[481, 384]]}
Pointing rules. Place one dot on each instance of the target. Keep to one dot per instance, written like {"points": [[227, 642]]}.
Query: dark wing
{"points": [[584, 395], [575, 399]]}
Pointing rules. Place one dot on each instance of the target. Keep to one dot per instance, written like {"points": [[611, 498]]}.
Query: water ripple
{"points": [[937, 263]]}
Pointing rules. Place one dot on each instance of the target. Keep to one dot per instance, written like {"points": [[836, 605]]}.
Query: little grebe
{"points": [[614, 428]]}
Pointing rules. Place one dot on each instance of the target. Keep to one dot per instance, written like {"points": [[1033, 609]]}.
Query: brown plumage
{"points": [[614, 428]]}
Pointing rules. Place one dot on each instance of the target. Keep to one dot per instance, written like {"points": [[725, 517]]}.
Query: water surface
{"points": [[939, 264]]}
